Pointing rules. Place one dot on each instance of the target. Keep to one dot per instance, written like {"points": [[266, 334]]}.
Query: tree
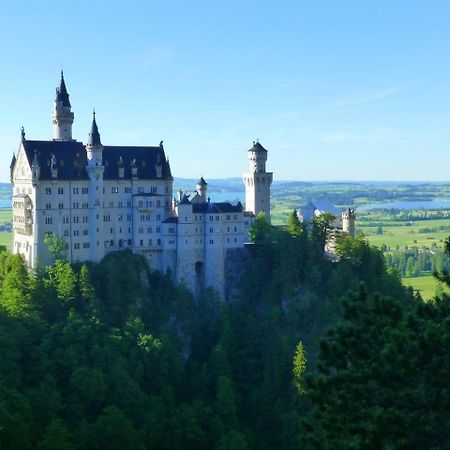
{"points": [[299, 368], [56, 245], [261, 230], [323, 226], [56, 437], [380, 382]]}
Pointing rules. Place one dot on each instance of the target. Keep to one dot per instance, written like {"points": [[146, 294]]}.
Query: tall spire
{"points": [[94, 135], [61, 92], [62, 116]]}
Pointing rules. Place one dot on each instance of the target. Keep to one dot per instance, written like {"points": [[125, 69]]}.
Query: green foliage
{"points": [[112, 355], [380, 382], [261, 230], [299, 367], [56, 245]]}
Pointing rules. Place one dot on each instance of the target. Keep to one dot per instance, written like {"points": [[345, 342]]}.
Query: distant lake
{"points": [[441, 203], [227, 196]]}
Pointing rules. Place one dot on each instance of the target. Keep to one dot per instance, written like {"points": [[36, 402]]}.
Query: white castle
{"points": [[102, 198]]}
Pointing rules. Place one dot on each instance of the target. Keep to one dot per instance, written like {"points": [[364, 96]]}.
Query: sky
{"points": [[334, 90]]}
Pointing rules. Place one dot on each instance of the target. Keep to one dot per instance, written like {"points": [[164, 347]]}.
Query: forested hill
{"points": [[114, 356]]}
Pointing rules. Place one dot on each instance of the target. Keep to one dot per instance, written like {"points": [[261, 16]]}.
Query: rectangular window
{"points": [[48, 206], [48, 220], [66, 233], [154, 190], [75, 219], [48, 190], [115, 190], [76, 246], [75, 190], [60, 190], [84, 190], [60, 205], [128, 190], [65, 219]]}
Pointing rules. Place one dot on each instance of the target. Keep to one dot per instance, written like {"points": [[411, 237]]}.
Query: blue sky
{"points": [[335, 90]]}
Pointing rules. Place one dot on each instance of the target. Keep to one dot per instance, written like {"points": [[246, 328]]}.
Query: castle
{"points": [[100, 198]]}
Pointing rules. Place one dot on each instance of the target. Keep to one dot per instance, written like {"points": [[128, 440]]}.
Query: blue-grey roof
{"points": [[94, 135], [257, 147], [61, 92], [71, 160], [222, 207], [202, 182], [326, 206]]}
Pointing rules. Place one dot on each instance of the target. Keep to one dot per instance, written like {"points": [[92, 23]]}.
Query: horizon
{"points": [[356, 93]]}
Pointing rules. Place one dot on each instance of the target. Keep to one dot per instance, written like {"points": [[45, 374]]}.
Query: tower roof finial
{"points": [[61, 92], [94, 135]]}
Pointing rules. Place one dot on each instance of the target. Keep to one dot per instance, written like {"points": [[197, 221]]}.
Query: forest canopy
{"points": [[313, 354]]}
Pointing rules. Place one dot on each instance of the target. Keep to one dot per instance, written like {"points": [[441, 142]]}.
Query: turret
{"points": [[257, 181], [348, 222], [94, 146], [62, 117], [95, 169], [202, 188]]}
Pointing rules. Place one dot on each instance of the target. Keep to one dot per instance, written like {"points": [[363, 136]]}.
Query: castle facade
{"points": [[101, 198]]}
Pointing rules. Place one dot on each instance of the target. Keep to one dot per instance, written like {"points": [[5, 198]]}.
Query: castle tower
{"points": [[95, 169], [202, 188], [348, 222], [62, 117], [257, 181]]}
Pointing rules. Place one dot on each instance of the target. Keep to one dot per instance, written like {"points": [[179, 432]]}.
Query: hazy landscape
{"points": [[404, 219]]}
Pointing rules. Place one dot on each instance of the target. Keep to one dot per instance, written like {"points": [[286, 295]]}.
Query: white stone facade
{"points": [[101, 199]]}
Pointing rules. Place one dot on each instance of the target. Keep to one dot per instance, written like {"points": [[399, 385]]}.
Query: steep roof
{"points": [[61, 92], [94, 135], [71, 160], [202, 182], [257, 147]]}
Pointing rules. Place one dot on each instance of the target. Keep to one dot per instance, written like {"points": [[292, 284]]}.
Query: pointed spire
{"points": [[22, 134], [94, 135], [61, 92]]}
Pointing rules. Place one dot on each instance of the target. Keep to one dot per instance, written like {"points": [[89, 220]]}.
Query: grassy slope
{"points": [[397, 233]]}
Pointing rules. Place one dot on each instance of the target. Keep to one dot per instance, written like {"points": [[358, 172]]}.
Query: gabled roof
{"points": [[321, 206], [71, 160], [184, 200], [202, 182], [257, 147]]}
